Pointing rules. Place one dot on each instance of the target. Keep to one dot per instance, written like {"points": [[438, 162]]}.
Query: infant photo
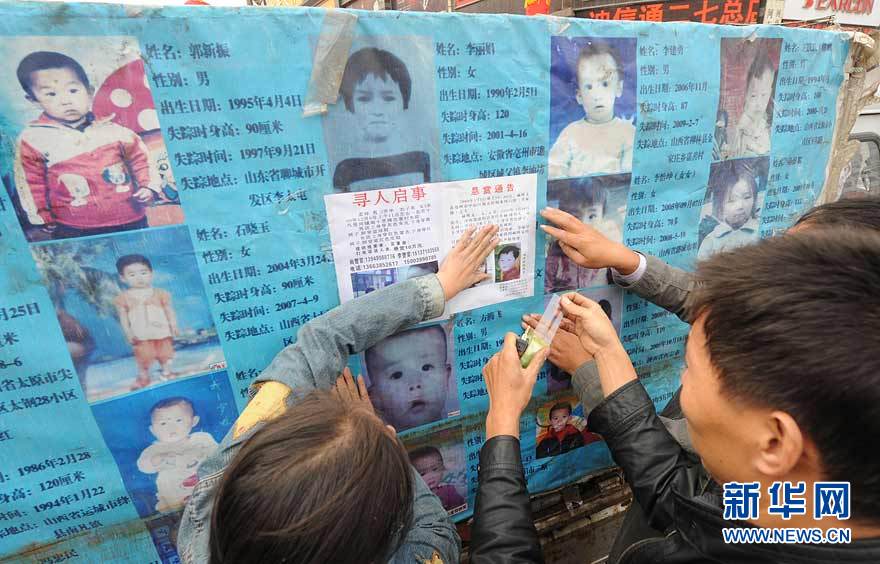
{"points": [[438, 457], [132, 309], [592, 105], [560, 427], [159, 436], [598, 201], [410, 377], [731, 212]]}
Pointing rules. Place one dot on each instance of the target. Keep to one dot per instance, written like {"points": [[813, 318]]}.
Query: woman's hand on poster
{"points": [[566, 350], [591, 325], [585, 245], [144, 195], [510, 387], [349, 389], [175, 330], [354, 391], [461, 268]]}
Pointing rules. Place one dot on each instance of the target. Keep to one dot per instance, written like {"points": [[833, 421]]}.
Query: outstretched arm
{"points": [[324, 344], [655, 464], [504, 530], [645, 275]]}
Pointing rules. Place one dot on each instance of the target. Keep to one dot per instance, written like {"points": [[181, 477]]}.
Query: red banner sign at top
{"points": [[703, 11]]}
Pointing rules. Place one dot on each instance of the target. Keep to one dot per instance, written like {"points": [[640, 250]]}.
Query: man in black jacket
{"points": [[782, 386]]}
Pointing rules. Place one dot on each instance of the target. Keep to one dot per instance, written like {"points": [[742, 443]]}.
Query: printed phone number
{"points": [[73, 458]]}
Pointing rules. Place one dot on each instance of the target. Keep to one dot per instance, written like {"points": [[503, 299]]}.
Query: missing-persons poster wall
{"points": [[182, 195]]}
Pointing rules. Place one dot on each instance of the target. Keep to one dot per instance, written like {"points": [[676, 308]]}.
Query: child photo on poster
{"points": [[748, 87], [734, 196], [410, 390], [592, 105], [438, 456], [159, 436], [383, 132], [561, 427], [598, 201], [132, 308], [90, 158]]}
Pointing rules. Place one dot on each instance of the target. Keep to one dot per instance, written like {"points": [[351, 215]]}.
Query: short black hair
{"points": [[379, 63], [863, 212], [560, 405], [170, 402], [509, 249], [793, 323], [127, 260], [43, 60], [423, 452]]}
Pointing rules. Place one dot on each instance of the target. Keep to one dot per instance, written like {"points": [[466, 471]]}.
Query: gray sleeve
{"points": [[585, 382], [678, 429], [324, 344], [665, 286], [588, 388]]}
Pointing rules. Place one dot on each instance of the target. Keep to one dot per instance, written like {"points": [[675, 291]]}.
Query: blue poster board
{"points": [[163, 233]]}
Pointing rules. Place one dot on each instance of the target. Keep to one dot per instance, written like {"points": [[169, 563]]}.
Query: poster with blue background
{"points": [[163, 230]]}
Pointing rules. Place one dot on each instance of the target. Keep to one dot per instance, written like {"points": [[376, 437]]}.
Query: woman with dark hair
{"points": [[340, 457], [312, 477]]}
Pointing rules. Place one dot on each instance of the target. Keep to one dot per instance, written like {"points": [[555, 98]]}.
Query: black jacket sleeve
{"points": [[503, 529], [655, 464]]}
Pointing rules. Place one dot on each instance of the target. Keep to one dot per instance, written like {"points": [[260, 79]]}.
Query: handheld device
{"points": [[533, 340]]}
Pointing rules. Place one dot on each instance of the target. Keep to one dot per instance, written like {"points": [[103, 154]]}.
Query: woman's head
{"points": [[760, 86], [734, 193], [324, 482]]}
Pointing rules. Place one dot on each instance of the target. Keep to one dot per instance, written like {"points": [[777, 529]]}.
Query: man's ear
{"points": [[152, 432], [579, 98], [619, 92], [195, 421], [781, 445]]}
